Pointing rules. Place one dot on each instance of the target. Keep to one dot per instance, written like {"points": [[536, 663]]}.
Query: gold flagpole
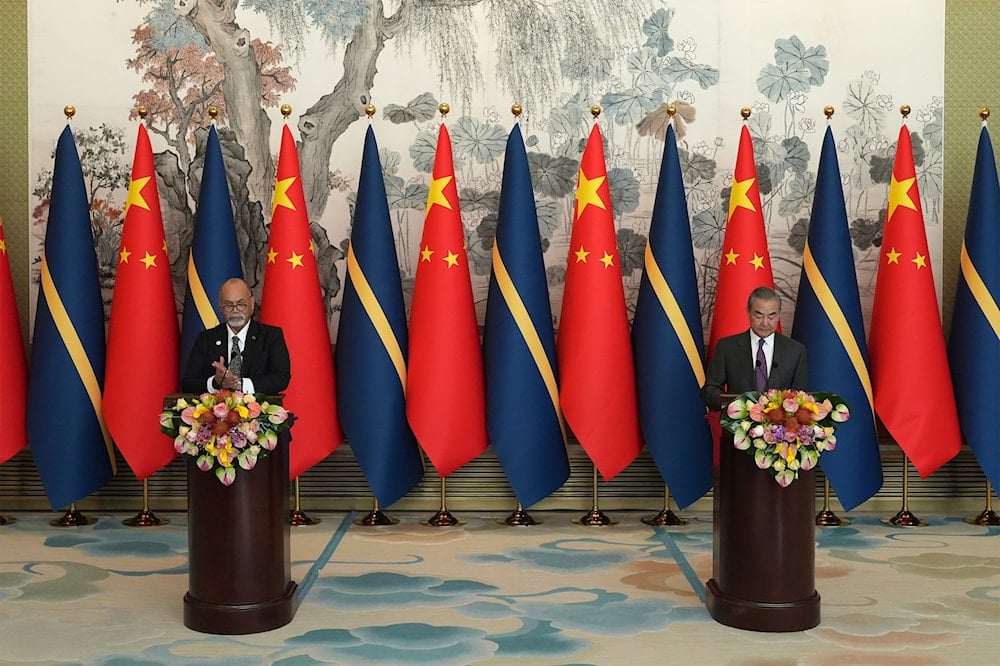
{"points": [[376, 516], [595, 517], [444, 517], [519, 518], [145, 517], [904, 517], [72, 518], [666, 517], [826, 517], [298, 517], [988, 517]]}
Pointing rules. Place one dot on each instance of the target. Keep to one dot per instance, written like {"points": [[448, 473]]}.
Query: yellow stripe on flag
{"points": [[77, 353], [376, 314], [980, 291], [206, 311], [837, 319], [524, 324], [673, 311]]}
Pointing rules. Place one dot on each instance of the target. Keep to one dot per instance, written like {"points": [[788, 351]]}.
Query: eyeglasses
{"points": [[238, 306]]}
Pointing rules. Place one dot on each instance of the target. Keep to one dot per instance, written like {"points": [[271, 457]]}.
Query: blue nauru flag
{"points": [[215, 255], [370, 358], [974, 345], [668, 343], [66, 431], [523, 417], [828, 322]]}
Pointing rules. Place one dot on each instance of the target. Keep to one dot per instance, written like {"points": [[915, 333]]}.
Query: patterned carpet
{"points": [[483, 592]]}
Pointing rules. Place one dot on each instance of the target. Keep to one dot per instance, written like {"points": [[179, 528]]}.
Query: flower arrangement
{"points": [[224, 430], [785, 431]]}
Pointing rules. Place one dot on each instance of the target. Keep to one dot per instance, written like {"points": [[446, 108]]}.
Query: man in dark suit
{"points": [[757, 359], [258, 357]]}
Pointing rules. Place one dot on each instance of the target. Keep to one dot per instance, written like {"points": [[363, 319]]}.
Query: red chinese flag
{"points": [[593, 346], [745, 263], [13, 367], [906, 343], [445, 389], [141, 366], [293, 300]]}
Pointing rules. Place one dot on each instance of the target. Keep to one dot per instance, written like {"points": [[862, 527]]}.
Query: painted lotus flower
{"points": [[785, 431], [225, 431]]}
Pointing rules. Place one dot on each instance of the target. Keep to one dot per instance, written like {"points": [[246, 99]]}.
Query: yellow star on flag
{"points": [[899, 195], [436, 194], [149, 260], [134, 197], [581, 255], [586, 193], [295, 260], [272, 254], [731, 257], [738, 196], [920, 260], [3, 246], [451, 259], [757, 261], [608, 260], [124, 255], [312, 247], [425, 254], [281, 194], [892, 256]]}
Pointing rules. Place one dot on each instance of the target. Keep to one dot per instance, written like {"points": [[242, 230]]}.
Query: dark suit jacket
{"points": [[731, 369], [265, 358]]}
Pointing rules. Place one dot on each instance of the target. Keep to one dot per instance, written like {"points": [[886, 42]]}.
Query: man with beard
{"points": [[257, 355]]}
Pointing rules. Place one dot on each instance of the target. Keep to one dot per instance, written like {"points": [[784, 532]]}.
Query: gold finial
{"points": [[984, 112], [69, 110], [671, 110], [286, 110], [142, 110], [213, 112], [444, 108], [828, 111], [370, 110], [745, 112], [516, 109], [595, 111], [905, 110]]}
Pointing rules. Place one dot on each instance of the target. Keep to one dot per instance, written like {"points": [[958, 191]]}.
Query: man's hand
{"points": [[223, 378]]}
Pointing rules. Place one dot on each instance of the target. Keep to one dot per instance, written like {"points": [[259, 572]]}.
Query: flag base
{"points": [[299, 518], [4, 520], [987, 518], [827, 518], [665, 518], [376, 517], [145, 518], [903, 518]]}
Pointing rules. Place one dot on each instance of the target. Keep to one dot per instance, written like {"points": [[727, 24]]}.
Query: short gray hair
{"points": [[763, 293]]}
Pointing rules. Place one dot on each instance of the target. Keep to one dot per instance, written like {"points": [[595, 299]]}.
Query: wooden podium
{"points": [[239, 579], [764, 548]]}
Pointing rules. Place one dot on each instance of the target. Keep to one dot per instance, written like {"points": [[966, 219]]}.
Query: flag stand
{"points": [[376, 517], [595, 517], [988, 517], [145, 518], [72, 518], [298, 517], [904, 518], [4, 520], [826, 517], [443, 518], [519, 518], [666, 517]]}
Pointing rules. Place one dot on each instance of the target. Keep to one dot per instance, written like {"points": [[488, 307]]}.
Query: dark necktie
{"points": [[760, 371], [236, 359]]}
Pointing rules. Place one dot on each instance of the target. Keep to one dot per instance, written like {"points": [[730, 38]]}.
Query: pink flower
{"points": [[220, 410]]}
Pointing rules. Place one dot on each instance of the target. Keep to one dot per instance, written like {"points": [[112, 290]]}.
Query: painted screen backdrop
{"points": [[710, 60]]}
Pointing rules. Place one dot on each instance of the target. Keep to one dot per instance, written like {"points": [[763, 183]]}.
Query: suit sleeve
{"points": [[198, 368], [715, 379], [277, 366]]}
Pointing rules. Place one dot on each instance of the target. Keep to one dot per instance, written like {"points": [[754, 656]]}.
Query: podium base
{"points": [[236, 619], [761, 616]]}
